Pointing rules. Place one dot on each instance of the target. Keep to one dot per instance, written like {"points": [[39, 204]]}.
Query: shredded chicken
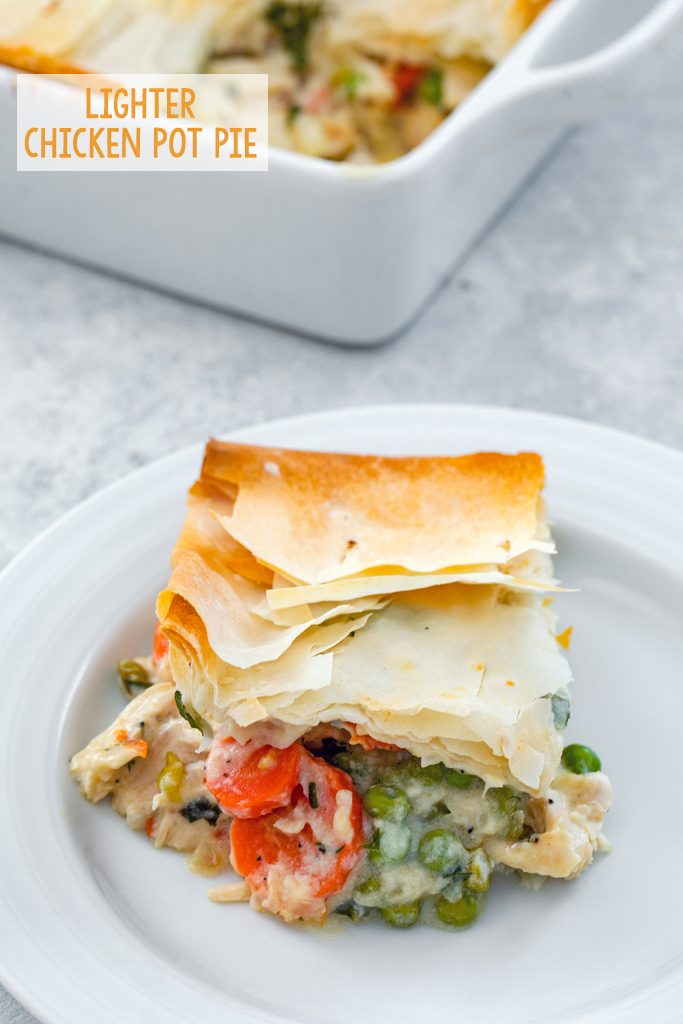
{"points": [[125, 762], [567, 823]]}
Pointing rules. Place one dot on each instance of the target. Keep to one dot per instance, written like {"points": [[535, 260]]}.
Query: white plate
{"points": [[99, 926]]}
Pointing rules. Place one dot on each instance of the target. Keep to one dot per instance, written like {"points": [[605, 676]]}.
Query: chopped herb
{"points": [[195, 720], [294, 23], [321, 847], [201, 809], [292, 114], [340, 848], [431, 87], [313, 795]]}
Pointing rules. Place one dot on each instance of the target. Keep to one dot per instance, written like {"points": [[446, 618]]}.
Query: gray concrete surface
{"points": [[572, 304]]}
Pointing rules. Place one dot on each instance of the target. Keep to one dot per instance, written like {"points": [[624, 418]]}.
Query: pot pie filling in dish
{"points": [[357, 691], [358, 80]]}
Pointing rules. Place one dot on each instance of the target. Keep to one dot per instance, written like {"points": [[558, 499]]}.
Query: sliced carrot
{"points": [[297, 857], [249, 780], [159, 646], [139, 746]]}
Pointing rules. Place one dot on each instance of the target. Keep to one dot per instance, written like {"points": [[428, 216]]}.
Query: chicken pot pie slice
{"points": [[381, 756]]}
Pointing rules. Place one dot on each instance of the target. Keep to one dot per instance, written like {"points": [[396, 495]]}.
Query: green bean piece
{"points": [[441, 851], [132, 674], [386, 802], [458, 914], [402, 915], [170, 779], [431, 87], [580, 760]]}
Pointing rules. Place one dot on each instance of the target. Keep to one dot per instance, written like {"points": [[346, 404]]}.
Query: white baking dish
{"points": [[334, 251]]}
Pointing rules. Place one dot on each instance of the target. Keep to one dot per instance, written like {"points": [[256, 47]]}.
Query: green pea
{"points": [[369, 892], [505, 799], [389, 844], [508, 804], [441, 851], [402, 915], [580, 760], [457, 914], [387, 802]]}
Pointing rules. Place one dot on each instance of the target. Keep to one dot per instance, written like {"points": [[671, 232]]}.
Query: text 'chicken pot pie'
{"points": [[357, 691], [361, 80]]}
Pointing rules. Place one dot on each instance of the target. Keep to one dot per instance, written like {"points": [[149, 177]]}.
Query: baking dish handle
{"points": [[590, 86]]}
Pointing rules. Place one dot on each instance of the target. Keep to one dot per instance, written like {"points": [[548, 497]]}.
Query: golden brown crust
{"points": [[202, 533], [521, 14], [24, 58], [317, 516]]}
